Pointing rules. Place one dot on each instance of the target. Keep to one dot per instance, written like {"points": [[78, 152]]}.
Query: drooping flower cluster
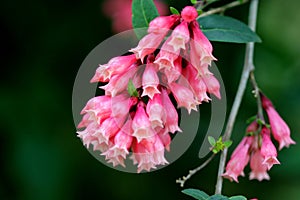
{"points": [[141, 121], [258, 148]]}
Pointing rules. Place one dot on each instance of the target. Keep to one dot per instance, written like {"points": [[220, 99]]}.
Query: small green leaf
{"points": [[174, 11], [227, 143], [215, 151], [260, 122], [238, 198], [217, 197], [199, 12], [131, 89], [220, 140], [194, 1], [197, 194], [251, 119], [211, 141], [226, 29], [143, 11]]}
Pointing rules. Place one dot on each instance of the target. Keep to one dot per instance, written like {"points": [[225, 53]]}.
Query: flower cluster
{"points": [[258, 148], [157, 70]]}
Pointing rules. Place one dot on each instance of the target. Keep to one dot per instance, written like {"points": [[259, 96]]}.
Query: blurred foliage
{"points": [[42, 46]]}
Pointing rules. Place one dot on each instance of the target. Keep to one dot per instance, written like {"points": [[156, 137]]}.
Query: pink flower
{"points": [[201, 48], [252, 128], [156, 112], [87, 134], [147, 45], [280, 129], [165, 137], [121, 105], [166, 56], [116, 66], [172, 117], [212, 84], [162, 24], [180, 36], [121, 144], [85, 121], [150, 81], [97, 109], [189, 14], [107, 130], [239, 159], [172, 74], [148, 153], [268, 150], [258, 169], [141, 124], [196, 83], [119, 82], [184, 97]]}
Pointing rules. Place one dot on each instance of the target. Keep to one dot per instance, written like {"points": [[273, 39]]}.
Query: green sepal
{"points": [[132, 89], [174, 11]]}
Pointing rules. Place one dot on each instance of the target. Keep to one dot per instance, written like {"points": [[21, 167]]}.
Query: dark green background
{"points": [[42, 46]]}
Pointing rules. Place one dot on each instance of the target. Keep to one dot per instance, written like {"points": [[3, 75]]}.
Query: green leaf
{"points": [[199, 12], [226, 29], [215, 151], [251, 119], [227, 143], [238, 198], [211, 141], [217, 197], [260, 122], [131, 89], [143, 11], [197, 194], [174, 11], [193, 1]]}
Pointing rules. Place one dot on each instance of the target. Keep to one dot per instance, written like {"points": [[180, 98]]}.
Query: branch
{"points": [[223, 8], [194, 171], [256, 92], [248, 67]]}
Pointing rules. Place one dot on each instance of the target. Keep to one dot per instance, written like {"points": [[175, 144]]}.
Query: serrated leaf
{"points": [[174, 11], [197, 194], [132, 89], [143, 11], [226, 29], [227, 143], [238, 198], [211, 141], [217, 197]]}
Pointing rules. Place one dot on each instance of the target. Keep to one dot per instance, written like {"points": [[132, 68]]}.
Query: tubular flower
{"points": [[239, 159], [258, 169], [257, 147], [135, 116], [268, 150], [280, 129]]}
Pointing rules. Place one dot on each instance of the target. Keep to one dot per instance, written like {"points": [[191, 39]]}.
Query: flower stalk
{"points": [[248, 67]]}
